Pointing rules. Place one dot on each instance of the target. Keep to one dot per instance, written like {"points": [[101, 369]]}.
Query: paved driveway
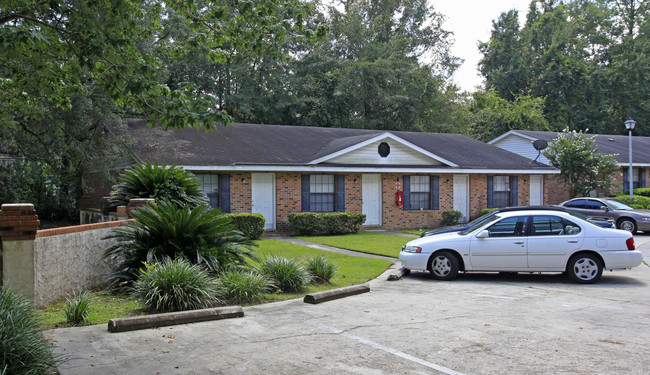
{"points": [[478, 324]]}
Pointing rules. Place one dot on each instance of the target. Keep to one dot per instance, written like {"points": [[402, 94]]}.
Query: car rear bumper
{"points": [[622, 259], [414, 261]]}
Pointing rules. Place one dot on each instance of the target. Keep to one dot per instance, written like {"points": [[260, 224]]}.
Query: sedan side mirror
{"points": [[483, 234], [604, 208]]}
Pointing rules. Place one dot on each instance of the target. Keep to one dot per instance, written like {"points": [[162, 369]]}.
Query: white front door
{"points": [[263, 197], [371, 198], [461, 195], [536, 190]]}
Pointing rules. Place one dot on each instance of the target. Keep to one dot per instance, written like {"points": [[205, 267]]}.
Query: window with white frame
{"points": [[210, 186], [322, 193], [501, 191], [420, 192]]}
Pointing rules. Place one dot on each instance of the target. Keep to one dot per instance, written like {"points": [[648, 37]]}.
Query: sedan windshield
{"points": [[479, 224], [617, 205]]}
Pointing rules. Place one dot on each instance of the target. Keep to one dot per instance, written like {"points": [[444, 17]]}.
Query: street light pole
{"points": [[629, 124]]}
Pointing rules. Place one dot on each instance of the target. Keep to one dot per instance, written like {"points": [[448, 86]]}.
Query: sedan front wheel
{"points": [[444, 266], [584, 268]]}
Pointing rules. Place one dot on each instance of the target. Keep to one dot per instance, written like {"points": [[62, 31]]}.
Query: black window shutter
{"points": [[407, 192], [514, 191], [305, 193], [224, 192], [435, 192], [340, 193], [642, 172], [626, 180], [490, 191]]}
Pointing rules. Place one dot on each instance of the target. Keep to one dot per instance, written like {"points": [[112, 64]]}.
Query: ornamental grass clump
{"points": [[23, 349], [320, 269], [239, 286], [176, 285], [76, 309], [287, 275]]}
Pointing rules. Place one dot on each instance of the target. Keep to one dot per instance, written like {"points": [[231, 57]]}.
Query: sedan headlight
{"points": [[646, 219], [412, 249]]}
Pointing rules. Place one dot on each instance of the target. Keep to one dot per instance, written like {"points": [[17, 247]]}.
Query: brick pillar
{"points": [[18, 226], [121, 213], [136, 203]]}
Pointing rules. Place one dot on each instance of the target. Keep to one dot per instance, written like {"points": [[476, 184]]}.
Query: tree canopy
{"points": [[588, 59]]}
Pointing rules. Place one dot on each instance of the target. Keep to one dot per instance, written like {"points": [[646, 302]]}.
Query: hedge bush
{"points": [[312, 223], [639, 200], [642, 191], [450, 217], [250, 225], [486, 211]]}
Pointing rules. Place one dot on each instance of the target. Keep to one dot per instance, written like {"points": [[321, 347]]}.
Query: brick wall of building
{"points": [[288, 197]]}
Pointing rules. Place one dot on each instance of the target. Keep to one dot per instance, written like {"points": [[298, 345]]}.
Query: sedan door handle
{"points": [[519, 242], [572, 241]]}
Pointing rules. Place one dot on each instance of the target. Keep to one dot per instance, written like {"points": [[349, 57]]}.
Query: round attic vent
{"points": [[383, 149]]}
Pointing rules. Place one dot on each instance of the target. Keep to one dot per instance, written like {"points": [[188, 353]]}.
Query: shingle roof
{"points": [[254, 144], [607, 144]]}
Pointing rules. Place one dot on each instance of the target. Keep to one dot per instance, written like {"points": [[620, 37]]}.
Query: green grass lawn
{"points": [[417, 232], [351, 271], [104, 306], [366, 242]]}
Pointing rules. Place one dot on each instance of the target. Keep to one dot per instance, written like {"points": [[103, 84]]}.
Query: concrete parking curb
{"points": [[168, 319], [333, 294], [399, 275]]}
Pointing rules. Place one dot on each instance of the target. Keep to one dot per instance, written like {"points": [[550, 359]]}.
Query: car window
{"points": [[594, 205], [509, 227], [578, 203], [618, 205], [477, 225], [549, 225]]}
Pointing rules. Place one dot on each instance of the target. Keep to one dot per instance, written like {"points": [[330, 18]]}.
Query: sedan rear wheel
{"points": [[585, 268], [444, 266], [627, 224]]}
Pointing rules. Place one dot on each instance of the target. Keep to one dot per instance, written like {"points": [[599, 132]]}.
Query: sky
{"points": [[471, 22]]}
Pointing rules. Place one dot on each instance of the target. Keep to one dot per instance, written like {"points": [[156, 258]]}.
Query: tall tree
{"points": [[588, 59]]}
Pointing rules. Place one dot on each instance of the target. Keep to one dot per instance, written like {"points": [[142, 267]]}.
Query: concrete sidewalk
{"points": [[332, 249]]}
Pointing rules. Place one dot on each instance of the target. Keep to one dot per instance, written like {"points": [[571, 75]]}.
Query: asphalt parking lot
{"points": [[477, 324]]}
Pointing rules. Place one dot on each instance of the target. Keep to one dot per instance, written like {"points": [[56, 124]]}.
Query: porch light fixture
{"points": [[629, 125]]}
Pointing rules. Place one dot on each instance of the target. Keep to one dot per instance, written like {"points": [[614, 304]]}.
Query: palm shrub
{"points": [[76, 309], [287, 275], [201, 235], [238, 286], [320, 269], [176, 285], [23, 349], [158, 182]]}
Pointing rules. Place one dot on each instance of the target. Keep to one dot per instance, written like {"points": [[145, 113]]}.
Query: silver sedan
{"points": [[626, 217]]}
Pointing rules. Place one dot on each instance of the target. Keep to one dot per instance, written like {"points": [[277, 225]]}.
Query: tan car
{"points": [[626, 217]]}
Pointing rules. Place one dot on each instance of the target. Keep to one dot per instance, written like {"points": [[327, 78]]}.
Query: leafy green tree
{"points": [[503, 57], [200, 235], [493, 115], [582, 167], [160, 182], [588, 60]]}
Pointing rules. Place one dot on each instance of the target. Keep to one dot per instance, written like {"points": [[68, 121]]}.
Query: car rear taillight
{"points": [[630, 243]]}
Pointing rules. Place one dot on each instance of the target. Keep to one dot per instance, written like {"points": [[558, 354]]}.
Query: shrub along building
{"points": [[520, 143], [397, 179]]}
